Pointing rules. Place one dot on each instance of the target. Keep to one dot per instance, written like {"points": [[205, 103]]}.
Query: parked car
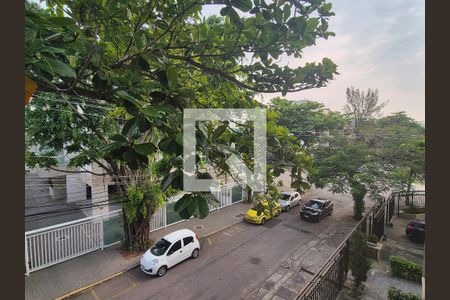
{"points": [[289, 200], [415, 230], [316, 209], [266, 214], [169, 251]]}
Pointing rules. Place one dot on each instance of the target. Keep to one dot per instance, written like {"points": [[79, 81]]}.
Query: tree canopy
{"points": [[151, 59], [370, 156]]}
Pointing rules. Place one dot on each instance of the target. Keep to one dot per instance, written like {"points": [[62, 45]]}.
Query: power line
{"points": [[52, 214]]}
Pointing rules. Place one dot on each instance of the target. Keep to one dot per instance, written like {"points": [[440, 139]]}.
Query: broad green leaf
{"points": [[192, 205], [145, 149], [218, 132], [244, 5], [130, 126], [224, 11], [126, 96], [166, 181], [182, 203], [111, 147], [312, 23], [119, 138], [235, 19], [129, 156], [169, 145], [286, 12], [172, 76], [60, 68], [203, 207]]}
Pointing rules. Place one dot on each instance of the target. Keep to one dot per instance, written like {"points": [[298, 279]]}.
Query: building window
{"points": [[88, 192]]}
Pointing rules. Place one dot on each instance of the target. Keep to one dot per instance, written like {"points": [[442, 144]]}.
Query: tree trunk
{"points": [[136, 233], [408, 189]]}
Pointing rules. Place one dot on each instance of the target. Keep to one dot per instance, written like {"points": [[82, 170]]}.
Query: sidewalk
{"points": [[71, 275], [298, 269]]}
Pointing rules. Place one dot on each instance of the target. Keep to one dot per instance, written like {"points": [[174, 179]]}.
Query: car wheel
{"points": [[195, 253], [288, 208], [162, 271], [263, 220]]}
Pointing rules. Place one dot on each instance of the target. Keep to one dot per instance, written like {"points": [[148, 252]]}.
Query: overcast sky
{"points": [[378, 44]]}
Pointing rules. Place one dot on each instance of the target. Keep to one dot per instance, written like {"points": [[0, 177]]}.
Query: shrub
{"points": [[406, 269], [372, 238], [359, 263], [396, 294], [413, 209]]}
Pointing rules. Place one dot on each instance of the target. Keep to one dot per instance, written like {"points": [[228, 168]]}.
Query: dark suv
{"points": [[415, 230], [316, 209]]}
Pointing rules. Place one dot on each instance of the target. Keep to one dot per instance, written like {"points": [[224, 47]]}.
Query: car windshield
{"points": [[284, 197], [160, 247], [314, 204]]}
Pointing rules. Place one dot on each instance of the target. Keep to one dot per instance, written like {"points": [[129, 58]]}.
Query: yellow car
{"points": [[267, 214]]}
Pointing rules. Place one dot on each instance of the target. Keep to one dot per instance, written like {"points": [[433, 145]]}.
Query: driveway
{"points": [[233, 263]]}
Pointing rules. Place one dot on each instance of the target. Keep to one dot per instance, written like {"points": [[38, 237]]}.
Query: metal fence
{"points": [[329, 280], [413, 198], [54, 244], [226, 195], [47, 246]]}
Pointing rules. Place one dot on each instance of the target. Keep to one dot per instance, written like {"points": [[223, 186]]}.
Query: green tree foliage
{"points": [[152, 59], [371, 155], [308, 120], [78, 127], [399, 142]]}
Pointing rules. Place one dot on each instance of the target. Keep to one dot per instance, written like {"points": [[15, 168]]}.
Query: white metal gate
{"points": [[223, 195], [158, 219], [54, 244]]}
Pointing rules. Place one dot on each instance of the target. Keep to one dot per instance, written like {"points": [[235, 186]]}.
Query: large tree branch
{"points": [[239, 83], [76, 91]]}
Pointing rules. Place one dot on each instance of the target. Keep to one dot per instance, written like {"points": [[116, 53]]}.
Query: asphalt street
{"points": [[232, 263]]}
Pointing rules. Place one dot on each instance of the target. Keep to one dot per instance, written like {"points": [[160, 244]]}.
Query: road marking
{"points": [[134, 284], [95, 295], [132, 278], [209, 241], [67, 295]]}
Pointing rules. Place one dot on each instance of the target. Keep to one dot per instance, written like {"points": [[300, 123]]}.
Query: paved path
{"points": [[81, 271], [243, 260]]}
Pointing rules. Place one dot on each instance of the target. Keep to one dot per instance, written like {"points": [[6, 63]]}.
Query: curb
{"points": [[220, 229], [130, 268], [90, 285]]}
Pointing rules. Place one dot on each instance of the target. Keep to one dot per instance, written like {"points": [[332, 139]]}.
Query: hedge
{"points": [[396, 294], [413, 209], [406, 269]]}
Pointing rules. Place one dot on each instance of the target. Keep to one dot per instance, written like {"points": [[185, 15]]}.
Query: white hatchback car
{"points": [[289, 200], [170, 250]]}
